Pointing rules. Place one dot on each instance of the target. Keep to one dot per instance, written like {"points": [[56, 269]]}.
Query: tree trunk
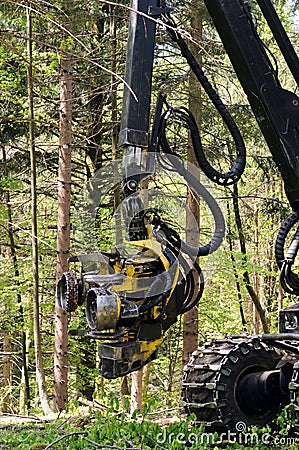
{"points": [[190, 321], [7, 358], [280, 289], [146, 379], [256, 280], [13, 253], [246, 277], [124, 391], [24, 399], [63, 228], [7, 374], [114, 120], [136, 391], [40, 375], [235, 272]]}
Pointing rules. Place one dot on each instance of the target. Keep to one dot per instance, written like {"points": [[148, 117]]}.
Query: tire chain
{"points": [[294, 391], [206, 376]]}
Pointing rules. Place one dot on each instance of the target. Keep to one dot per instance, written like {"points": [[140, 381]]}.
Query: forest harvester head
{"points": [[135, 292]]}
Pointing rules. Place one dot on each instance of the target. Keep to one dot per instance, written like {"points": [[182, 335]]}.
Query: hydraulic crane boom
{"points": [[276, 109]]}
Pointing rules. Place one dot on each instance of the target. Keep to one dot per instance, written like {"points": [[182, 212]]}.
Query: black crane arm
{"points": [[276, 109]]}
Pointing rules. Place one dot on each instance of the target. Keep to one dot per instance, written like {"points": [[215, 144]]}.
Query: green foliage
{"points": [[123, 432]]}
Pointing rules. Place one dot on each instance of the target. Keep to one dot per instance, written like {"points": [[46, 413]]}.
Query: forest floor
{"points": [[91, 429]]}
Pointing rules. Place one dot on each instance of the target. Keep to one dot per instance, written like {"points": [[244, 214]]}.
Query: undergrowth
{"points": [[112, 430]]}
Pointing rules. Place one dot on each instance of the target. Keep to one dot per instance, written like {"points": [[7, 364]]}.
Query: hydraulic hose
{"points": [[187, 278], [234, 174], [157, 292], [289, 279], [190, 300], [282, 235], [202, 192]]}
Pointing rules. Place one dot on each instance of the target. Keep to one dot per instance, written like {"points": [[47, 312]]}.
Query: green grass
{"points": [[119, 431]]}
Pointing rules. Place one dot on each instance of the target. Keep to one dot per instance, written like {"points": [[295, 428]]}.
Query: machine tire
{"points": [[210, 387], [294, 391]]}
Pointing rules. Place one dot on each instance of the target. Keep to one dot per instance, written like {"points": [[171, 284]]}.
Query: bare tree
{"points": [[136, 391], [190, 330], [6, 374], [63, 226], [40, 375]]}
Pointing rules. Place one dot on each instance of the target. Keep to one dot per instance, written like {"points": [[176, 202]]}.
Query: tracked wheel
{"points": [[215, 384]]}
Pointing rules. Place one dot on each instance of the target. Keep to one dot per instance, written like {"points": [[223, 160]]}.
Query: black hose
{"points": [[234, 174], [158, 290], [282, 235], [289, 280], [187, 274], [202, 192], [190, 302]]}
